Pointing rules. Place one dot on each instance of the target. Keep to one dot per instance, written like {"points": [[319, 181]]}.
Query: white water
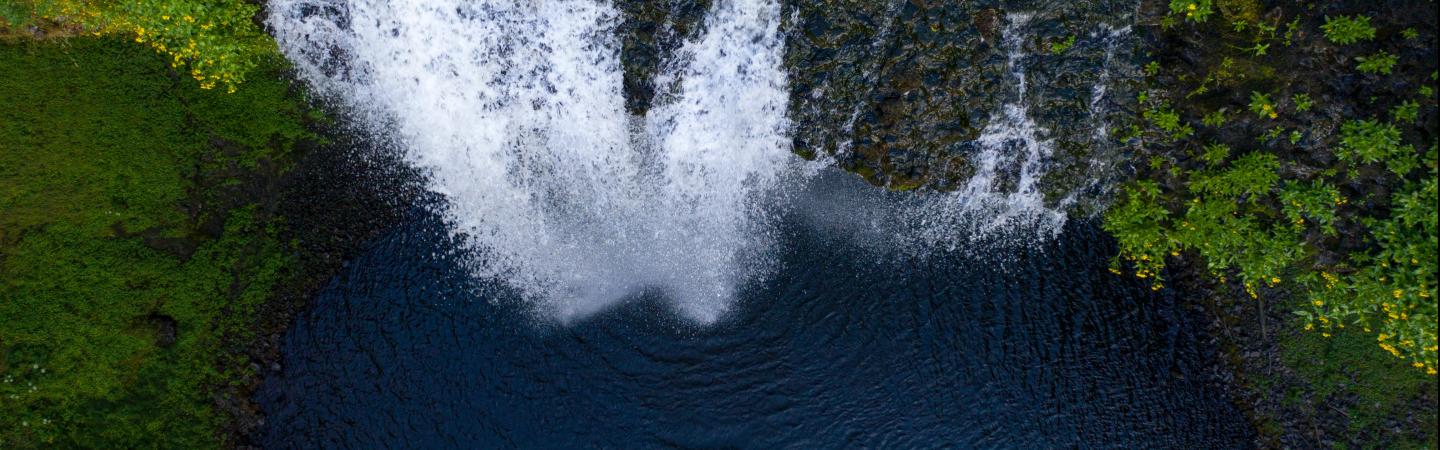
{"points": [[515, 110], [1002, 201]]}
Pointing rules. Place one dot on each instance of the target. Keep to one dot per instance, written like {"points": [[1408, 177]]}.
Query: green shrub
{"points": [[217, 40], [1215, 153], [1347, 30], [1059, 47], [1380, 63], [1369, 141], [1168, 120], [1392, 290], [98, 137], [1214, 118], [1407, 111], [1193, 10], [1261, 105], [1314, 202], [1302, 102]]}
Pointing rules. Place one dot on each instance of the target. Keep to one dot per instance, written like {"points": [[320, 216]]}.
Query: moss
{"points": [[114, 292], [1373, 387], [1235, 10]]}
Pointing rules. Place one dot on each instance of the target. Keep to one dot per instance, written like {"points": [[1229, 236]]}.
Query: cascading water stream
{"points": [[516, 111]]}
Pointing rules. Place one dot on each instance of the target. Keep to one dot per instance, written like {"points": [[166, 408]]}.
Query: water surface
{"points": [[842, 347]]}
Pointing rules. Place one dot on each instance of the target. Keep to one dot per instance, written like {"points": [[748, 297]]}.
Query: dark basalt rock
{"points": [[649, 30], [895, 90]]}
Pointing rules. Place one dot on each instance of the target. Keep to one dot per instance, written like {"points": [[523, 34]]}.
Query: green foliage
{"points": [[1360, 277], [217, 40], [1215, 153], [1302, 102], [99, 139], [1214, 118], [1314, 202], [1407, 112], [1369, 141], [1250, 175], [1168, 120], [1393, 290], [1261, 105], [1381, 63], [1193, 10], [1141, 227], [1345, 30], [1210, 222], [1060, 47], [1345, 366], [1259, 49]]}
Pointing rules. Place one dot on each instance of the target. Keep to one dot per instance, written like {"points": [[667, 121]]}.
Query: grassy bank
{"points": [[1285, 155], [137, 233]]}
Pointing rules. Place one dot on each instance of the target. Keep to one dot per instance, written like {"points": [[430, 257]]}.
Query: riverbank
{"points": [[1283, 172], [140, 232], [157, 239]]}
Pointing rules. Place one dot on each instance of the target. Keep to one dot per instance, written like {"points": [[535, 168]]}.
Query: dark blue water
{"points": [[840, 348]]}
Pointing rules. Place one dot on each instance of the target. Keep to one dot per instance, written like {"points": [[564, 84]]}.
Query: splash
{"points": [[1002, 201], [516, 112]]}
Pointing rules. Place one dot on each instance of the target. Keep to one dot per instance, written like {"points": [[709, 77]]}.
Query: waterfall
{"points": [[1003, 201], [515, 110]]}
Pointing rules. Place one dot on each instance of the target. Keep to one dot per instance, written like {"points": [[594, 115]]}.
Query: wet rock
{"points": [[650, 31], [895, 90]]}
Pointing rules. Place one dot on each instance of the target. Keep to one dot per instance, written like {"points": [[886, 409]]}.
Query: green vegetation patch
{"points": [[1345, 370], [1312, 183], [129, 241]]}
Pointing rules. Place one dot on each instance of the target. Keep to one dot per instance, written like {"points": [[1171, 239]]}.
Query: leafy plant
{"points": [[1315, 201], [1381, 63], [1168, 120], [1261, 105], [1062, 46], [218, 41], [1302, 102], [1215, 153], [1194, 10], [1393, 290], [1214, 118], [1369, 141], [1407, 111], [1345, 30]]}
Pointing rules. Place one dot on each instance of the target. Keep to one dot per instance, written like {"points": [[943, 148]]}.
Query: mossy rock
{"points": [[1237, 10]]}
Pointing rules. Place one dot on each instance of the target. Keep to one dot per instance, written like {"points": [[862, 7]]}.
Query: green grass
{"points": [[1347, 365], [97, 135]]}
